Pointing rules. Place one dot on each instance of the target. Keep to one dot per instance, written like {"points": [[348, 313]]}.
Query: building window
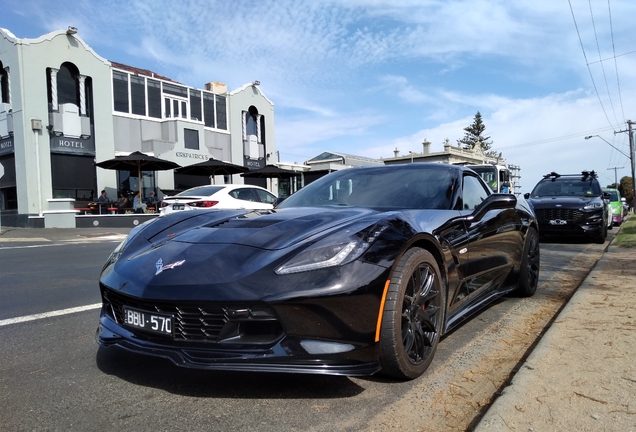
{"points": [[191, 138], [221, 113], [120, 91], [154, 98], [138, 95], [4, 85], [208, 110], [73, 177], [67, 85], [195, 105]]}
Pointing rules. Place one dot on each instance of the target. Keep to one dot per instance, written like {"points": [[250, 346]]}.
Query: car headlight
{"points": [[334, 250], [593, 205]]}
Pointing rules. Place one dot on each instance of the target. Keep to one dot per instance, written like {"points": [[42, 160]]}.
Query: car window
{"points": [[421, 186], [200, 191], [244, 194], [265, 197], [567, 186], [474, 193]]}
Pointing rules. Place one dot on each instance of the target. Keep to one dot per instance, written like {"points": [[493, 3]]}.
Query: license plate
{"points": [[178, 206], [148, 321]]}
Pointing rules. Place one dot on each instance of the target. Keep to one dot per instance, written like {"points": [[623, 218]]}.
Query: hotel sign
{"points": [[76, 146], [6, 145]]}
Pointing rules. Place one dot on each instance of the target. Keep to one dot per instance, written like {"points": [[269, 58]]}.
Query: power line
{"points": [[598, 48], [587, 64], [550, 140], [618, 83]]}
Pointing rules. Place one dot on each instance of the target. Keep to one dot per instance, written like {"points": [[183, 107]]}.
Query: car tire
{"points": [[413, 316], [600, 238], [530, 265]]}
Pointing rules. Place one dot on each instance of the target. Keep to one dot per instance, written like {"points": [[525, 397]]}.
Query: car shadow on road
{"points": [[159, 373]]}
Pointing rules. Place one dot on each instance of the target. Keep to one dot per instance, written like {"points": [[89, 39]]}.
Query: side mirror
{"points": [[526, 195], [493, 202], [278, 201]]}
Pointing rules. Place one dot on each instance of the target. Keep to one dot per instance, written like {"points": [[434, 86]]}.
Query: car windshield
{"points": [[613, 195], [413, 186], [200, 191], [563, 186]]}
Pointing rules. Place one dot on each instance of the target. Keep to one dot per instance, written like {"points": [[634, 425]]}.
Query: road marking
{"points": [[32, 246], [49, 314]]}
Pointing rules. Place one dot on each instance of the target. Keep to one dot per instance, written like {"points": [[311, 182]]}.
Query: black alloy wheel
{"points": [[530, 265], [412, 322]]}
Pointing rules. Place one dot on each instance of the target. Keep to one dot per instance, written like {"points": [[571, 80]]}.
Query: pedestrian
{"points": [[138, 206], [103, 202], [122, 203], [152, 201]]}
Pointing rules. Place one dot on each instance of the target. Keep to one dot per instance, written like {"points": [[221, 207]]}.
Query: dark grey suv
{"points": [[570, 205]]}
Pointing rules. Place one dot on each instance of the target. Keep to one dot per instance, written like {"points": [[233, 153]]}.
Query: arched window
{"points": [[68, 84], [4, 84]]}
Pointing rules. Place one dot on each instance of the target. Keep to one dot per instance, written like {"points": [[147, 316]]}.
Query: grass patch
{"points": [[626, 237]]}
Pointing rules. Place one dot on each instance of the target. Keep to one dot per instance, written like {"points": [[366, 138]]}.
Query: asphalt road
{"points": [[53, 375]]}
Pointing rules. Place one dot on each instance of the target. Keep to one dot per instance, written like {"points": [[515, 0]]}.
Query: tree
{"points": [[473, 136], [625, 188]]}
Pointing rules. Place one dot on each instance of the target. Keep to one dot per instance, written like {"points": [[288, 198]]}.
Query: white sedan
{"points": [[212, 197]]}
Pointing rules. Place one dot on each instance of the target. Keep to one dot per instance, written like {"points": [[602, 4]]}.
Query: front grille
{"points": [[202, 322], [569, 215]]}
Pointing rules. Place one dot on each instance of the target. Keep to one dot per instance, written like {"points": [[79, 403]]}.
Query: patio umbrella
{"points": [[270, 172], [212, 167], [139, 161]]}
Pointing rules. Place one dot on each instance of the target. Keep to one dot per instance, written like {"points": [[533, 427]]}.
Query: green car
{"points": [[616, 205]]}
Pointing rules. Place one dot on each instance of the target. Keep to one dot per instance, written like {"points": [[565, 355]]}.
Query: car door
{"points": [[494, 241]]}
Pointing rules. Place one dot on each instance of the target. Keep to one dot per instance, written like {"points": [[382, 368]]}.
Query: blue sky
{"points": [[366, 77]]}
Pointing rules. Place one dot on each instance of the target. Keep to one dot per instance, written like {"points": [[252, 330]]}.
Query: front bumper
{"points": [[287, 355], [566, 222]]}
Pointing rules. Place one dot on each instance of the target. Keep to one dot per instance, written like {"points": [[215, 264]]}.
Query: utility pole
{"points": [[631, 157], [615, 175]]}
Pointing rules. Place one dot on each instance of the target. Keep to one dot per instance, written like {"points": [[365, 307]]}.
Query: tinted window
{"points": [[201, 191], [120, 91], [567, 186], [67, 86], [195, 105], [221, 116], [191, 138], [208, 109], [265, 197], [416, 186], [154, 98], [474, 193], [138, 95], [244, 195]]}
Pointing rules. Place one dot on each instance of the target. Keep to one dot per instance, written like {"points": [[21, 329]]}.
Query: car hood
{"points": [[270, 230], [560, 201], [188, 256]]}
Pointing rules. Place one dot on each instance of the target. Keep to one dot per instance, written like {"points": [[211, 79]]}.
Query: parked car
{"points": [[615, 205], [570, 205], [219, 197], [361, 271]]}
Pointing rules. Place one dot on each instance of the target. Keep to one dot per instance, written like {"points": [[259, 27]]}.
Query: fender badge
{"points": [[160, 267]]}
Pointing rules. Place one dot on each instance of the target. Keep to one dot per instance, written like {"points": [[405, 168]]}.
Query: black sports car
{"points": [[570, 205], [361, 271]]}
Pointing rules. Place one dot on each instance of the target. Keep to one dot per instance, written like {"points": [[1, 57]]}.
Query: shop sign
{"points": [[191, 155], [77, 146], [6, 145]]}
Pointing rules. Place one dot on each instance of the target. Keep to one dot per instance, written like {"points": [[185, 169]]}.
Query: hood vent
{"points": [[245, 223]]}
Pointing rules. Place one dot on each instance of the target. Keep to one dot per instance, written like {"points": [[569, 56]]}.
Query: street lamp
{"points": [[611, 145], [630, 157]]}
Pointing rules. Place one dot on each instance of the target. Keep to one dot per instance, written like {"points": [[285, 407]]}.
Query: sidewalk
{"points": [[582, 374]]}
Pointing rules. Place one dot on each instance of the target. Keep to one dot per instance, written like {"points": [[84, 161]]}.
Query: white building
{"points": [[63, 108]]}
